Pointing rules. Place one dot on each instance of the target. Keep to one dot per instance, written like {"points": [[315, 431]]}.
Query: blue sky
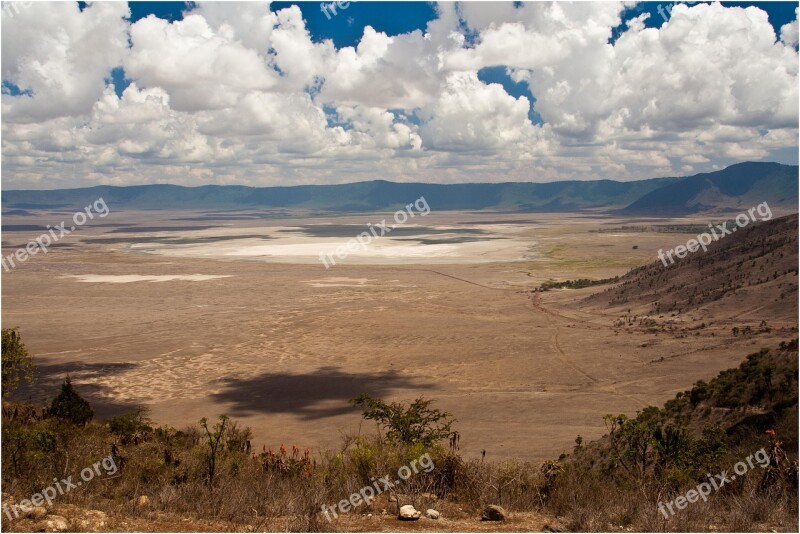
{"points": [[292, 93], [395, 18]]}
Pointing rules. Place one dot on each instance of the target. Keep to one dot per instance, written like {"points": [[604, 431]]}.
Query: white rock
{"points": [[93, 521], [430, 513], [409, 513], [56, 523]]}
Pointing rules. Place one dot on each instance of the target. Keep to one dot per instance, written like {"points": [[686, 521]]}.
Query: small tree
{"points": [[632, 439], [16, 362], [407, 424], [131, 426], [70, 407], [213, 440]]}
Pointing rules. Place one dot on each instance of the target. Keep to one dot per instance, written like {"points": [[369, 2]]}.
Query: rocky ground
{"points": [[140, 517]]}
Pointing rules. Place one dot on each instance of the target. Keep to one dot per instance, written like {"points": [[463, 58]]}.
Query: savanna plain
{"points": [[196, 314]]}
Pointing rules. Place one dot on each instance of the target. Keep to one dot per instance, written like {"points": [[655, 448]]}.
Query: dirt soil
{"points": [[282, 347]]}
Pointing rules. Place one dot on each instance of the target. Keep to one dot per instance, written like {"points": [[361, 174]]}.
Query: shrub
{"points": [[407, 424], [16, 362], [131, 427], [213, 439], [71, 407], [27, 447]]}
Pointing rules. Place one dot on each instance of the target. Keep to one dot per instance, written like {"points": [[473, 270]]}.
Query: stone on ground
{"points": [[494, 513], [408, 513]]}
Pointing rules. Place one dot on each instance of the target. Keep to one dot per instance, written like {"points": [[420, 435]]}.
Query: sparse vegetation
{"points": [[757, 257], [131, 427], [208, 472], [618, 480], [580, 283]]}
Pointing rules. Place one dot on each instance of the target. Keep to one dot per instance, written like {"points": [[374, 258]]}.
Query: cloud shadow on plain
{"points": [[323, 393]]}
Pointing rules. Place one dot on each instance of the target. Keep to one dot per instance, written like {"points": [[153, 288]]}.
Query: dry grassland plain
{"points": [[197, 314]]}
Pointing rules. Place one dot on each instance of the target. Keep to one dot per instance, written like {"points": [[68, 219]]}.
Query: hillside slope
{"points": [[754, 268], [635, 473], [739, 186]]}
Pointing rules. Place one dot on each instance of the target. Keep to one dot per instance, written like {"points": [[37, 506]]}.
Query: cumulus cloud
{"points": [[59, 56], [403, 71], [200, 67], [789, 31], [240, 93], [470, 116]]}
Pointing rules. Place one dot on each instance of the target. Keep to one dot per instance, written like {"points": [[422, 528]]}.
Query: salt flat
{"points": [[130, 278], [489, 244]]}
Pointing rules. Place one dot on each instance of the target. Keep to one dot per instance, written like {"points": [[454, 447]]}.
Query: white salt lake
{"points": [[303, 245]]}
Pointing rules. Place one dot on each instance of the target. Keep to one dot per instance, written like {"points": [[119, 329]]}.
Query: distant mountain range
{"points": [[739, 186]]}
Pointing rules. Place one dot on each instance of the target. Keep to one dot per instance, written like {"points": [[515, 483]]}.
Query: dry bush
{"points": [[511, 484], [601, 501]]}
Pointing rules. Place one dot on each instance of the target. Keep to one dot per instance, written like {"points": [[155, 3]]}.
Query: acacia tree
{"points": [[17, 364], [407, 424]]}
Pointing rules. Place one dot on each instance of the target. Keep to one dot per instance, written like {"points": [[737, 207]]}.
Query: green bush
{"points": [[70, 407], [131, 426], [17, 364], [407, 424]]}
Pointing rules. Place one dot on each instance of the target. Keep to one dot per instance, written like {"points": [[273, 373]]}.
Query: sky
{"points": [[289, 93]]}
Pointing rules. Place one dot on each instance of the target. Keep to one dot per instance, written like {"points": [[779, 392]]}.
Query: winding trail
{"points": [[552, 318], [537, 305], [468, 281], [611, 388]]}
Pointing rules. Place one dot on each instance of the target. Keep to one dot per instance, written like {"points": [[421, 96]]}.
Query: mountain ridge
{"points": [[734, 187], [725, 189]]}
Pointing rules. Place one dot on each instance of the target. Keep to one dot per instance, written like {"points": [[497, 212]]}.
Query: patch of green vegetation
{"points": [[579, 283], [654, 228], [70, 407], [415, 423], [681, 228], [661, 452]]}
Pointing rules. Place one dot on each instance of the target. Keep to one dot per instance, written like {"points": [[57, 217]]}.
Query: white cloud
{"points": [[199, 67], [390, 72], [470, 116], [61, 55], [789, 31], [237, 93]]}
